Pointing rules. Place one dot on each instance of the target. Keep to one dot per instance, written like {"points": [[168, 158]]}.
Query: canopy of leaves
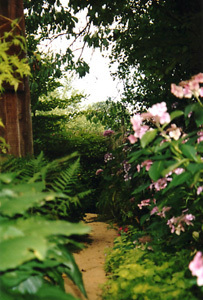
{"points": [[154, 42]]}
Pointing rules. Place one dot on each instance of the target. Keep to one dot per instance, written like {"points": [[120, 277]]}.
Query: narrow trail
{"points": [[91, 259]]}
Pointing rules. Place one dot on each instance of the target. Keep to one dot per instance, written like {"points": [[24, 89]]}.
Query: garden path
{"points": [[91, 259]]}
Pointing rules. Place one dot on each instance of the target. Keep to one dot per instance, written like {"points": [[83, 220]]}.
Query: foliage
{"points": [[110, 114], [91, 147], [12, 66], [136, 271], [59, 175], [34, 248], [170, 158], [116, 181]]}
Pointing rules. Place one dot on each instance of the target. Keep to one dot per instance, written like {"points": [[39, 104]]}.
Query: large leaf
{"points": [[46, 228], [71, 268], [16, 251], [178, 180], [24, 240], [173, 166], [148, 137], [156, 170], [189, 151], [53, 293], [17, 199], [176, 114]]}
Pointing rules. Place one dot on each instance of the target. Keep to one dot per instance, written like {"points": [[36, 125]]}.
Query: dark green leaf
{"points": [[156, 169]]}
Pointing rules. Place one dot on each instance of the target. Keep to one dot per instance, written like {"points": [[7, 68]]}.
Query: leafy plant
{"points": [[34, 248], [137, 271], [12, 67]]}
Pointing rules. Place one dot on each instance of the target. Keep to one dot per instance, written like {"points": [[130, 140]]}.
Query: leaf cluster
{"points": [[33, 247]]}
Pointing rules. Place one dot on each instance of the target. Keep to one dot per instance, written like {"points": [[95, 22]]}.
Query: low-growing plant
{"points": [[137, 271]]}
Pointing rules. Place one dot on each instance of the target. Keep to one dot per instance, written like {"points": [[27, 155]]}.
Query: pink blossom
{"points": [[201, 92], [159, 111], [174, 132], [189, 87], [108, 132], [160, 184], [147, 164], [179, 171], [198, 77], [138, 168], [177, 223], [136, 121], [163, 211], [132, 139], [144, 203], [199, 190], [177, 90], [196, 267], [154, 210], [99, 171], [200, 138]]}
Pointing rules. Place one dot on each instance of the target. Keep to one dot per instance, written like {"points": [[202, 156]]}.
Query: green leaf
{"points": [[148, 137], [194, 168], [156, 169], [54, 293], [179, 179], [16, 251], [141, 188], [189, 151], [176, 114], [173, 166], [72, 270]]}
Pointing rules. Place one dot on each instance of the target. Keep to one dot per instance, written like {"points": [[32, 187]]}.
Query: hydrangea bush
{"points": [[170, 157]]}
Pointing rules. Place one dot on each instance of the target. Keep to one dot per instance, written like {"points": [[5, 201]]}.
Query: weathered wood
{"points": [[15, 110]]}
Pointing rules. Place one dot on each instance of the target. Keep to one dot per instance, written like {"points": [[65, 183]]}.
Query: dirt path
{"points": [[91, 259]]}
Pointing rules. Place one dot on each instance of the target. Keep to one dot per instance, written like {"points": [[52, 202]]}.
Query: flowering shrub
{"points": [[171, 159]]}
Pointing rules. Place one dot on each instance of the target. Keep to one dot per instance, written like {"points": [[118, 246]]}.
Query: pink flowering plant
{"points": [[170, 157]]}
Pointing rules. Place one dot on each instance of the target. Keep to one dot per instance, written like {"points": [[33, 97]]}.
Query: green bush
{"points": [[91, 147]]}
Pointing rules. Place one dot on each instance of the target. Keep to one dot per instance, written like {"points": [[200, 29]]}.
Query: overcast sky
{"points": [[98, 84]]}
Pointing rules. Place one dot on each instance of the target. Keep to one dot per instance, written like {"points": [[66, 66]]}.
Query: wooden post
{"points": [[15, 110]]}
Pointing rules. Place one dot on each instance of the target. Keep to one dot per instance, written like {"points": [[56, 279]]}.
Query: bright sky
{"points": [[98, 84]]}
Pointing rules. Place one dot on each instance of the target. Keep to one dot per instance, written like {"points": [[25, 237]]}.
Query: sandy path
{"points": [[91, 259]]}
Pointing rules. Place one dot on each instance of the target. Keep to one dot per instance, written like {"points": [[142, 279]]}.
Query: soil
{"points": [[91, 259]]}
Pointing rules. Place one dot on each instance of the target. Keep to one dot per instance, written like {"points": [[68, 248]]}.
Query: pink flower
{"points": [[160, 184], [144, 203], [196, 267], [136, 121], [198, 77], [177, 90], [177, 224], [98, 171], [200, 138], [199, 190], [189, 87], [108, 132], [147, 164], [174, 132], [179, 171], [154, 210], [132, 139], [163, 211], [159, 111]]}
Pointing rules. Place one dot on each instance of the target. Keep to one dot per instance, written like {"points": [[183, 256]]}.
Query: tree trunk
{"points": [[15, 110]]}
